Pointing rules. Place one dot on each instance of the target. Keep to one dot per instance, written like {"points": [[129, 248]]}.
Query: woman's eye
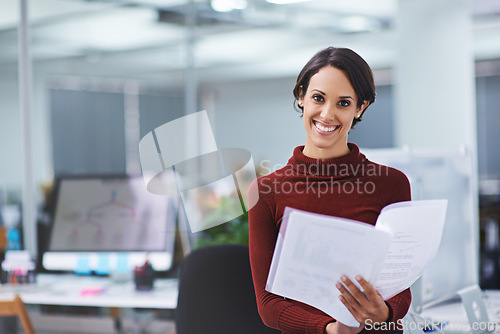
{"points": [[344, 103], [318, 98]]}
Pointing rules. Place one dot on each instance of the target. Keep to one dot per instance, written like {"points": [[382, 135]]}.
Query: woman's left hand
{"points": [[367, 305]]}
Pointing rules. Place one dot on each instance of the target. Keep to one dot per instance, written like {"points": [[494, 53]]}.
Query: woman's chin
{"points": [[323, 144]]}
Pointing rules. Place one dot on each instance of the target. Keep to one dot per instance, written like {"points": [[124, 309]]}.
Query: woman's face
{"points": [[329, 108]]}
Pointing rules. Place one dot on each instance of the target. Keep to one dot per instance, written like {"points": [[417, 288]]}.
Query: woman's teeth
{"points": [[324, 128]]}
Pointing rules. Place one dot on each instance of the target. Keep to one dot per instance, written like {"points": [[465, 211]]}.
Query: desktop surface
{"points": [[454, 317], [79, 290]]}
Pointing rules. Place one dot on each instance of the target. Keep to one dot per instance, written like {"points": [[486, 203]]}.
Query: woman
{"points": [[330, 176]]}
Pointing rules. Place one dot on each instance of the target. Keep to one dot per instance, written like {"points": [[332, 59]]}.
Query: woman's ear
{"points": [[301, 97], [362, 109]]}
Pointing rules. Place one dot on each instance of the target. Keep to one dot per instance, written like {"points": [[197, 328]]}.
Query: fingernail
{"points": [[358, 278], [338, 286], [343, 278]]}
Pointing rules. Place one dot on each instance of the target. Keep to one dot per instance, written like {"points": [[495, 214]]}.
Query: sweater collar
{"points": [[326, 167]]}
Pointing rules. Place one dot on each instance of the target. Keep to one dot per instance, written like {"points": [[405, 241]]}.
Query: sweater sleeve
{"points": [[275, 311], [399, 305]]}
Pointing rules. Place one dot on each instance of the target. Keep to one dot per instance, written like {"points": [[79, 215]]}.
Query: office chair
{"points": [[216, 293], [16, 307]]}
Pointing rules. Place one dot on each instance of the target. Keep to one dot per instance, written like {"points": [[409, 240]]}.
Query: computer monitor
{"points": [[109, 223]]}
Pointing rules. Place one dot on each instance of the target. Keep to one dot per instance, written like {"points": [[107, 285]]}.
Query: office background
{"points": [[105, 73], [246, 62]]}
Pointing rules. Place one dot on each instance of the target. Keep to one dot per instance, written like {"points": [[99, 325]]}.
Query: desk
{"points": [[453, 313], [51, 289], [65, 289]]}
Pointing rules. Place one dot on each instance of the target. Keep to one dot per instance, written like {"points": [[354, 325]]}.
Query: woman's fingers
{"points": [[365, 303], [354, 291], [369, 291]]}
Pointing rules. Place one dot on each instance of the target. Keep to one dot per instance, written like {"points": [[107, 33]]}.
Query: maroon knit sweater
{"points": [[350, 186]]}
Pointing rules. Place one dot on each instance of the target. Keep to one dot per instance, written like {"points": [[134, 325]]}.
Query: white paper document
{"points": [[314, 250]]}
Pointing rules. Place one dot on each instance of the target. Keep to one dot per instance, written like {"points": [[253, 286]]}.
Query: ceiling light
{"points": [[285, 2], [228, 5], [358, 23]]}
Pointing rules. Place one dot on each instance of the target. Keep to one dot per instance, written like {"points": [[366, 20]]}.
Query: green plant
{"points": [[234, 231]]}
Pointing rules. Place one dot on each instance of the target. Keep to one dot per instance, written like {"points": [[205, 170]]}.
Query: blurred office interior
{"points": [[99, 75]]}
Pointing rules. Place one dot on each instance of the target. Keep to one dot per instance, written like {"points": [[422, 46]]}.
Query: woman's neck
{"points": [[312, 151]]}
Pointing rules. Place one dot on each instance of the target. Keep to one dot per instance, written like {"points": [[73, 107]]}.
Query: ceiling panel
{"points": [[42, 10], [114, 29], [378, 8], [264, 40]]}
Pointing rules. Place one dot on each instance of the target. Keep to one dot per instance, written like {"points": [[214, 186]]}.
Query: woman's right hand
{"points": [[340, 328]]}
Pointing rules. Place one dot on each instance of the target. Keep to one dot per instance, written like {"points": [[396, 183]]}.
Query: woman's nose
{"points": [[328, 113]]}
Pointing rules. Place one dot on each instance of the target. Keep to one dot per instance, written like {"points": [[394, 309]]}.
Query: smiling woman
{"points": [[329, 108], [333, 91], [357, 71]]}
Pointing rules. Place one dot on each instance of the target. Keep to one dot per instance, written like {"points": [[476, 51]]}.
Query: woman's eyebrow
{"points": [[319, 91], [346, 97]]}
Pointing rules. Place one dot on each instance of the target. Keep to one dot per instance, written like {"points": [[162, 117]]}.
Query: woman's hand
{"points": [[340, 328], [367, 305]]}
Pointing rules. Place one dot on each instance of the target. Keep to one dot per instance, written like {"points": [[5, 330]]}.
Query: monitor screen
{"points": [[111, 220]]}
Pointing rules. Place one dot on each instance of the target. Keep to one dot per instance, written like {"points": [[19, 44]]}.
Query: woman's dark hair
{"points": [[359, 73]]}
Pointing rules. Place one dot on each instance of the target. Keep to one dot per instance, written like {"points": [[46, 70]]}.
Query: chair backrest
{"points": [[216, 293], [16, 307]]}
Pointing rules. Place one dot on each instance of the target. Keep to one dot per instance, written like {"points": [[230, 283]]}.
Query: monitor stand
{"points": [[475, 307], [471, 298]]}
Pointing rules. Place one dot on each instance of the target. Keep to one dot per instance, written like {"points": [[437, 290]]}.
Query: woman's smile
{"points": [[324, 129]]}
